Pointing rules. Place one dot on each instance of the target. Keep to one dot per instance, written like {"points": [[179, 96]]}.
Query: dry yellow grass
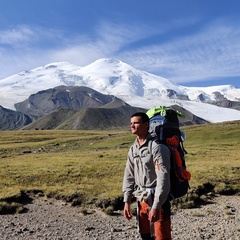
{"points": [[91, 163], [63, 162]]}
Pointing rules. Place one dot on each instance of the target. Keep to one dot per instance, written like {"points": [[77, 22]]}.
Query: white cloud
{"points": [[16, 36], [210, 51], [214, 51]]}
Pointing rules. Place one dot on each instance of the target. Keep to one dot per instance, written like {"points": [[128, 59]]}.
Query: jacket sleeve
{"points": [[128, 180], [161, 157]]}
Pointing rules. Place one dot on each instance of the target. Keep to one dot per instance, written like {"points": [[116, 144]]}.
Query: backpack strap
{"points": [[161, 133], [150, 146], [183, 149]]}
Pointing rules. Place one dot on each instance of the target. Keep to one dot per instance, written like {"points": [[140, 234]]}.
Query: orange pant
{"points": [[162, 227]]}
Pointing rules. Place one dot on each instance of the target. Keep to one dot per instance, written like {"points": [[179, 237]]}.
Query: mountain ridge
{"points": [[12, 120], [73, 107], [99, 118], [65, 97]]}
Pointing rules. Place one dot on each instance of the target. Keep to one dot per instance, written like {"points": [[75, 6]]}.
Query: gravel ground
{"points": [[48, 219]]}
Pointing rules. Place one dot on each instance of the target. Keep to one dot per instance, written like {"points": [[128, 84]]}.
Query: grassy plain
{"points": [[91, 163]]}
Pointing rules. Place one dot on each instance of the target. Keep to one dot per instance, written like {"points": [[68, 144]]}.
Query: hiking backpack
{"points": [[164, 125]]}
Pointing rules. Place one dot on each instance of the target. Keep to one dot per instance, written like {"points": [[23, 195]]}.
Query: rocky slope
{"points": [[63, 97], [12, 120]]}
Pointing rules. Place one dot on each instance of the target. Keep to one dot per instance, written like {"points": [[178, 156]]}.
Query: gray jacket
{"points": [[148, 171]]}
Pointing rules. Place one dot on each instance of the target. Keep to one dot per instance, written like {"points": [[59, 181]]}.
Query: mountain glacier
{"points": [[114, 77]]}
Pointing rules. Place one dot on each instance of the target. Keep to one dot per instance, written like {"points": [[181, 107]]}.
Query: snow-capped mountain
{"points": [[114, 77]]}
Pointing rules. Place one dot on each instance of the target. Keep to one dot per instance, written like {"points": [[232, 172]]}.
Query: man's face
{"points": [[138, 127]]}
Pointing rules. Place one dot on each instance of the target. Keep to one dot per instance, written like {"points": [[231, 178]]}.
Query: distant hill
{"points": [[66, 97], [12, 120], [99, 118], [74, 107], [86, 119]]}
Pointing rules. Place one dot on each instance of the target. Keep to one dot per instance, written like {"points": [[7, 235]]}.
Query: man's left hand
{"points": [[153, 215]]}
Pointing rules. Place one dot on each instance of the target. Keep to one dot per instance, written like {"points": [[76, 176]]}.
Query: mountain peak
{"points": [[108, 61], [103, 64]]}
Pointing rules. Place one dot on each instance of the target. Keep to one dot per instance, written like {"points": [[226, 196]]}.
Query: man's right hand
{"points": [[127, 211]]}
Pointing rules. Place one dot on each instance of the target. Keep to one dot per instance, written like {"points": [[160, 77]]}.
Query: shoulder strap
{"points": [[150, 146]]}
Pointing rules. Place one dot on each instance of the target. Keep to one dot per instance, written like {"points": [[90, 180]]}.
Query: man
{"points": [[147, 177]]}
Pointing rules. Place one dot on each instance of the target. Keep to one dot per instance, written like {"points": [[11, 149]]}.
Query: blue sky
{"points": [[190, 42]]}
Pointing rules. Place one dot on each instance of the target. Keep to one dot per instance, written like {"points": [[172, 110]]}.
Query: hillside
{"points": [[59, 161], [102, 118], [86, 119], [12, 120], [65, 97]]}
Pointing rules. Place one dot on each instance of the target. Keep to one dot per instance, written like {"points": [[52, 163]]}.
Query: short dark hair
{"points": [[143, 116]]}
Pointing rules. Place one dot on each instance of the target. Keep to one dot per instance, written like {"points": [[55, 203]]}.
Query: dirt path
{"points": [[55, 220]]}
